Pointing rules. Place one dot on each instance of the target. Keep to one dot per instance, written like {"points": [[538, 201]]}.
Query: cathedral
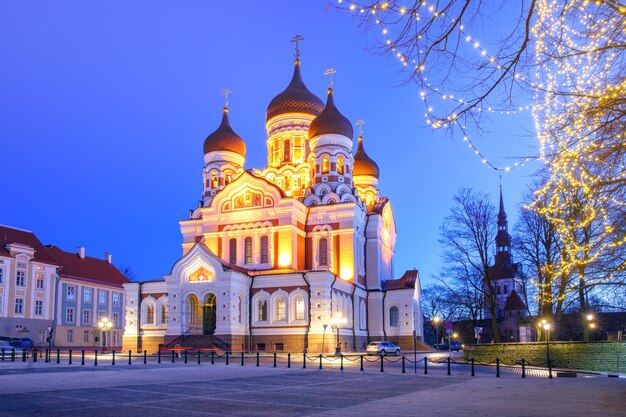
{"points": [[297, 256]]}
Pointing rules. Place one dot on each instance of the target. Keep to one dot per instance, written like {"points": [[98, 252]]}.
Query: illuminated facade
{"points": [[274, 258]]}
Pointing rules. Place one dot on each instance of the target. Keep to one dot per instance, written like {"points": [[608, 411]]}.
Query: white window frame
{"points": [[70, 336], [40, 282], [102, 297], [116, 296], [39, 306], [20, 278], [88, 311], [70, 311], [18, 302], [70, 293], [87, 295]]}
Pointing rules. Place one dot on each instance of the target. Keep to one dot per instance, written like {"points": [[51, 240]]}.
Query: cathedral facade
{"points": [[295, 256]]}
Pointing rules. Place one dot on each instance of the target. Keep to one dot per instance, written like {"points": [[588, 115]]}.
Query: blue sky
{"points": [[104, 107]]}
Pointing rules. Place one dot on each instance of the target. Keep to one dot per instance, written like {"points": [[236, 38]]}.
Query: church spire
{"points": [[503, 239]]}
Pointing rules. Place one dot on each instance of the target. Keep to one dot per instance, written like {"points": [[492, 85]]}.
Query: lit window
{"points": [[213, 180], [276, 153], [71, 293], [232, 251], [69, 315], [87, 295], [39, 308], [264, 250], [300, 309], [165, 314], [393, 316], [287, 182], [19, 306], [263, 310], [116, 299], [323, 252], [20, 278], [102, 297], [340, 165], [229, 178], [287, 150], [39, 283], [280, 309], [298, 151], [70, 336], [150, 315], [325, 164], [248, 250]]}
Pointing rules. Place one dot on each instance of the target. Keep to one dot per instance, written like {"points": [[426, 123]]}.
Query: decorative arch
{"points": [[279, 307], [298, 306], [148, 311], [260, 311]]}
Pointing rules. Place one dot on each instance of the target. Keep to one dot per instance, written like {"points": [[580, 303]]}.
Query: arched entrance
{"points": [[208, 315]]}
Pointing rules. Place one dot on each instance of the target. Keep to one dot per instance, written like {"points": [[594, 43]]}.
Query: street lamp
{"points": [[450, 337], [588, 327], [546, 327], [437, 320], [105, 325], [337, 322]]}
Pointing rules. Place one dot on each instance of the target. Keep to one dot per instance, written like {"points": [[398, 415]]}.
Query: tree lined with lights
{"points": [[568, 60]]}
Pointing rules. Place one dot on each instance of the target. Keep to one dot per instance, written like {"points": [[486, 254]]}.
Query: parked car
{"points": [[21, 343], [4, 345], [455, 346], [383, 348]]}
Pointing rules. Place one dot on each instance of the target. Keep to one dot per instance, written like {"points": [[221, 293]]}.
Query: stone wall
{"points": [[595, 356]]}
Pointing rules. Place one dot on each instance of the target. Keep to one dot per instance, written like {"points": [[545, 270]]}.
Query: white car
{"points": [[383, 348]]}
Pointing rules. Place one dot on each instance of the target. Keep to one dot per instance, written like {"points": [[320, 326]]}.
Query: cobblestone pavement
{"points": [[206, 390]]}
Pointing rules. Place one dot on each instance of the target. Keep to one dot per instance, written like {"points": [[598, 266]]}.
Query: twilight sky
{"points": [[104, 107]]}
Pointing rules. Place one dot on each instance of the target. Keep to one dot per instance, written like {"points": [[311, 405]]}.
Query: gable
{"points": [[247, 192]]}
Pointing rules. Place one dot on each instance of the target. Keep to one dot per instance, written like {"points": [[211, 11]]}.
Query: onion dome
{"points": [[296, 98], [363, 164], [225, 139], [331, 121]]}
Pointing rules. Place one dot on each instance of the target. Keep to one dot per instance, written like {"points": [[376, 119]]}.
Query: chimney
{"points": [[80, 250], [107, 256]]}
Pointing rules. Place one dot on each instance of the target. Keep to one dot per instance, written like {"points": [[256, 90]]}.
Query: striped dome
{"points": [[296, 98], [363, 164], [331, 120], [225, 139]]}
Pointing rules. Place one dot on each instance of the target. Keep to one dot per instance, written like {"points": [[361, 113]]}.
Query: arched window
{"points": [[229, 178], [287, 150], [150, 314], [276, 153], [263, 310], [280, 309], [213, 180], [340, 165], [264, 250], [298, 151], [248, 250], [165, 314], [362, 316], [325, 164], [299, 309], [322, 256], [393, 316], [240, 311], [232, 251]]}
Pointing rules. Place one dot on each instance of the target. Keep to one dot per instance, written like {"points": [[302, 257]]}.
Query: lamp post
{"points": [[588, 326], [546, 327], [105, 325], [325, 325], [337, 322], [450, 336], [437, 320]]}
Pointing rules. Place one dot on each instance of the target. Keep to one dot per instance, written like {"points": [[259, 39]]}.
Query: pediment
{"points": [[247, 192]]}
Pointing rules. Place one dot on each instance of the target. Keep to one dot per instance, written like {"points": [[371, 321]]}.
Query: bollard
{"points": [[449, 366], [58, 356], [130, 357], [497, 368], [113, 358], [45, 360], [34, 355], [13, 355], [159, 356], [198, 357], [69, 362], [242, 359], [212, 357], [361, 363], [274, 359], [257, 359], [320, 361], [403, 370], [425, 365], [382, 363], [304, 361], [226, 357], [145, 357], [185, 355], [23, 355], [2, 354], [523, 368], [173, 356], [473, 374], [95, 360], [288, 360], [341, 360], [82, 357], [549, 369]]}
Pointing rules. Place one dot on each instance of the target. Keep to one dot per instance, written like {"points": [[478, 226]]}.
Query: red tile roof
{"points": [[24, 237], [87, 268], [407, 280]]}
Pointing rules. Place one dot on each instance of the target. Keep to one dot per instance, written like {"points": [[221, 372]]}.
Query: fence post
{"points": [[95, 358], [173, 356], [2, 354], [449, 366], [198, 357], [35, 355], [130, 358], [361, 363], [242, 359], [212, 357], [82, 357], [403, 369], [45, 360], [549, 369], [58, 356], [425, 365], [226, 357], [23, 355], [497, 368], [341, 367], [320, 361], [473, 374], [13, 355], [70, 360], [185, 355], [145, 356], [159, 356], [523, 368], [304, 361], [288, 360], [113, 358], [274, 359], [382, 362], [257, 358]]}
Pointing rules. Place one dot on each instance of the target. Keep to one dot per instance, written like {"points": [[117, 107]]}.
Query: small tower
{"points": [[224, 156]]}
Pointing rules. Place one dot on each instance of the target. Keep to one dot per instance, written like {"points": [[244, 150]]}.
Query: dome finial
{"points": [[330, 72], [296, 39], [225, 93], [360, 124]]}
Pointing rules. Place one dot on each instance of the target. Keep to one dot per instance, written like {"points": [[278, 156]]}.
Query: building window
{"points": [[248, 250], [150, 314], [116, 299], [232, 251], [102, 297], [20, 278], [70, 336], [340, 165], [506, 289], [279, 346], [19, 306], [101, 315], [71, 293], [69, 315], [325, 164], [115, 318], [265, 250], [165, 314], [298, 149], [87, 317], [39, 308], [260, 347], [1, 306], [323, 252], [1, 275], [498, 289], [287, 150], [213, 180], [276, 153], [280, 309], [87, 295], [393, 316], [86, 336], [39, 281], [263, 310], [299, 308], [41, 336]]}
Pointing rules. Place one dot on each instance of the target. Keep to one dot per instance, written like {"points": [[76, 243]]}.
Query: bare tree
{"points": [[127, 271]]}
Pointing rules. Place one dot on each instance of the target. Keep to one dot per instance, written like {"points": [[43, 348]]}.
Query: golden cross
{"points": [[330, 72], [360, 124], [297, 39], [225, 93]]}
